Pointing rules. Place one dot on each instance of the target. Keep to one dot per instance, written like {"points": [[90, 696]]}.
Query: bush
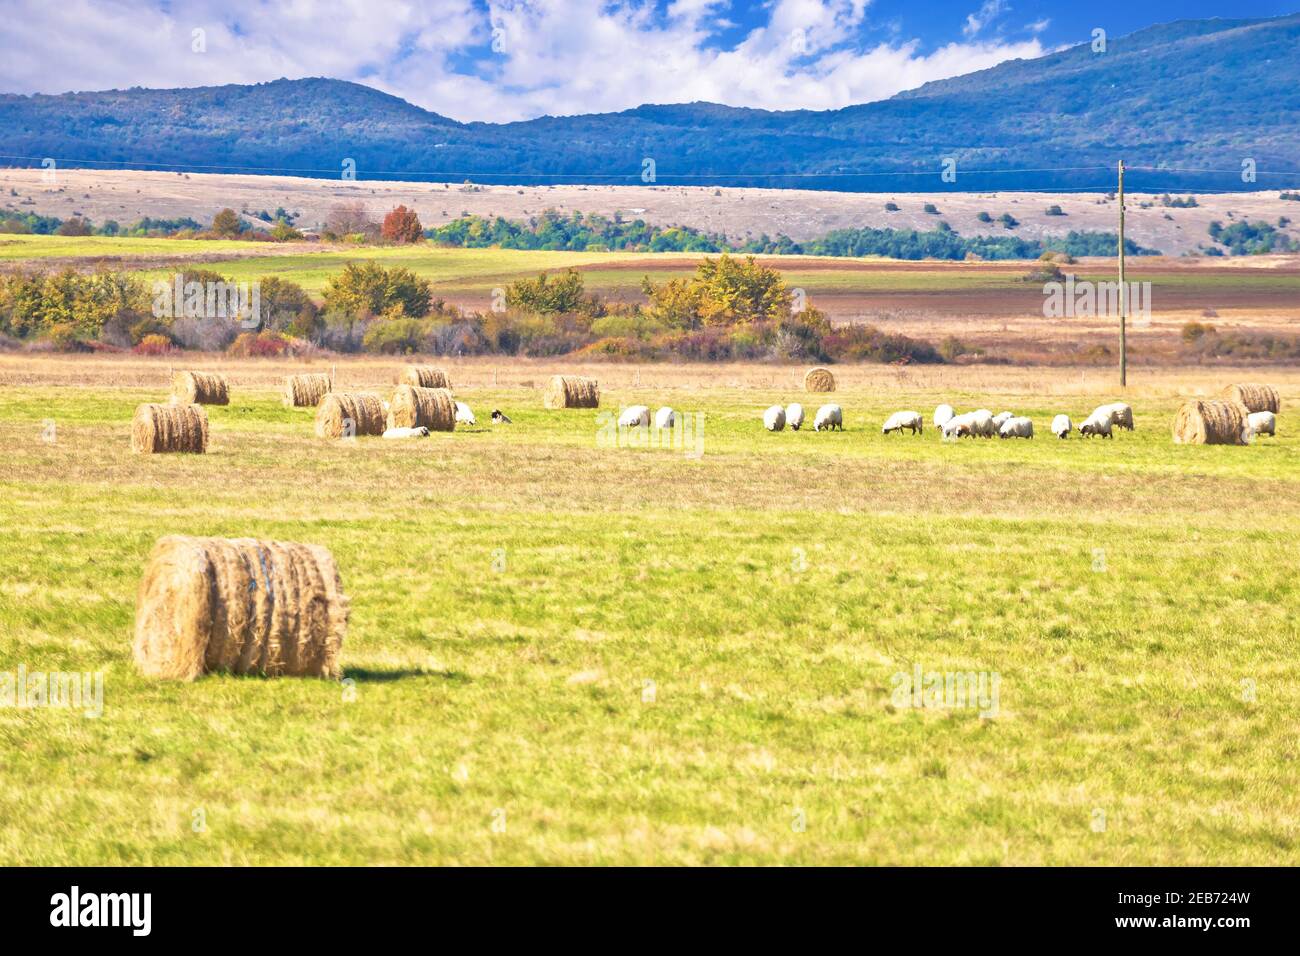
{"points": [[393, 337], [1055, 210], [866, 343], [546, 296], [932, 209], [153, 345], [262, 345]]}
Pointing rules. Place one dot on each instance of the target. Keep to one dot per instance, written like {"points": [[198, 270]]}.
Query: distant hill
{"points": [[1191, 95]]}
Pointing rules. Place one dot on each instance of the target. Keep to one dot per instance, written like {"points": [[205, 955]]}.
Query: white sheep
{"points": [[1262, 423], [896, 422], [982, 423], [1121, 415], [1017, 428], [774, 418], [944, 414], [418, 432], [959, 426], [1001, 418], [1098, 423], [1062, 426], [635, 416], [794, 416], [829, 418], [463, 415], [665, 419]]}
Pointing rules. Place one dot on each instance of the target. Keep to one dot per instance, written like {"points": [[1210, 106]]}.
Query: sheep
{"points": [[899, 420], [1262, 423], [774, 418], [958, 426], [635, 416], [944, 414], [982, 423], [1062, 426], [829, 418], [665, 418], [794, 416], [499, 417], [463, 415], [1121, 415], [1098, 423], [1017, 428], [418, 432], [1001, 418]]}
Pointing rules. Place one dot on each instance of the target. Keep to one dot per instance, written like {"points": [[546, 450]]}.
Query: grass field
{"points": [[563, 652]]}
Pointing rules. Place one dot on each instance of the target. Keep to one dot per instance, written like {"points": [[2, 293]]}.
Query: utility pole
{"points": [[1123, 289]]}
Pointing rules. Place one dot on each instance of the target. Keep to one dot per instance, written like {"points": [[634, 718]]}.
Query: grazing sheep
{"points": [[1001, 418], [982, 423], [943, 415], [499, 417], [900, 420], [1262, 423], [959, 426], [635, 416], [774, 418], [1121, 415], [1062, 426], [665, 418], [418, 431], [464, 416], [1017, 428], [829, 418], [1098, 423], [794, 416]]}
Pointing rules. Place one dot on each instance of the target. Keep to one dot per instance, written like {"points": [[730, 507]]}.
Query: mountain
{"points": [[1177, 97]]}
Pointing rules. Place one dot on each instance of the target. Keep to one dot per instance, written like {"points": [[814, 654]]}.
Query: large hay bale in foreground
{"points": [[424, 376], [819, 380], [162, 428], [413, 407], [1256, 398], [1210, 422], [200, 388], [571, 391], [239, 605], [306, 391], [364, 410]]}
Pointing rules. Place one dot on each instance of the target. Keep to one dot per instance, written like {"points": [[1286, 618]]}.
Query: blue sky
{"points": [[503, 60]]}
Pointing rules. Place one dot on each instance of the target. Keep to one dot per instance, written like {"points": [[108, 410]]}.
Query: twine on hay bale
{"points": [[200, 388], [1256, 398], [571, 391], [364, 410], [1210, 422], [424, 376], [306, 391], [163, 428], [819, 380], [239, 605], [414, 407]]}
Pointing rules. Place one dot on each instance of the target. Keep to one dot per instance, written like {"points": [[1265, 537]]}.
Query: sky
{"points": [[518, 59]]}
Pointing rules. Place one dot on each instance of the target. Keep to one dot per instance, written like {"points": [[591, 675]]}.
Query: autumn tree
{"points": [[227, 224], [402, 225]]}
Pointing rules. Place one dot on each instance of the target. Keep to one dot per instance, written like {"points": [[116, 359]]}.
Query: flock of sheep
{"points": [[982, 423]]}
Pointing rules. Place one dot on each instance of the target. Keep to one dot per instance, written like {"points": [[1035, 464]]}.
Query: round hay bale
{"points": [[1256, 398], [363, 410], [161, 428], [1210, 422], [819, 380], [306, 391], [200, 388], [239, 605], [424, 376], [414, 407], [571, 391]]}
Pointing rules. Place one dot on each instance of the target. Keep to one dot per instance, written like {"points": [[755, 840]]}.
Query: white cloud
{"points": [[555, 56], [989, 11]]}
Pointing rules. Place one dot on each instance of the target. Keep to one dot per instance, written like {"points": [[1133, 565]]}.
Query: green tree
{"points": [[368, 290], [546, 296]]}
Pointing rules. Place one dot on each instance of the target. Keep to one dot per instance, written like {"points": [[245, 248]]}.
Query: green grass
{"points": [[1123, 591]]}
